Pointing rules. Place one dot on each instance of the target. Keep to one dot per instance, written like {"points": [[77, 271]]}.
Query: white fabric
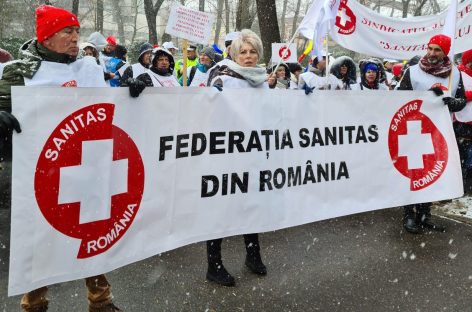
{"points": [[122, 69], [389, 77], [317, 82], [1, 70], [357, 87], [169, 45], [172, 211], [162, 81], [84, 72], [138, 69], [200, 79], [378, 35], [236, 83], [467, 81], [421, 80]]}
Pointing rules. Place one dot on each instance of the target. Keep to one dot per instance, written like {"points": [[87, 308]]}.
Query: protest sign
{"points": [[101, 180], [193, 25], [282, 52]]}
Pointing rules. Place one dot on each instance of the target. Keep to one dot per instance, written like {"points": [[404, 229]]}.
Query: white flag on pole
{"points": [[319, 19], [450, 26]]}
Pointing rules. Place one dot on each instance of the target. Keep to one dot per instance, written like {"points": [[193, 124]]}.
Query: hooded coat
{"points": [[154, 77], [282, 83], [138, 68], [378, 83], [350, 77]]}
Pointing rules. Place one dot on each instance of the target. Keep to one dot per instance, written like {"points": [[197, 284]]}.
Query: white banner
{"points": [[282, 52], [190, 24], [101, 180], [362, 30]]}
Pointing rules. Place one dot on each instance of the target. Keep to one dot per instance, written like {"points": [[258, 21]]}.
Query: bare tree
{"points": [[282, 19], [227, 11], [150, 10], [119, 21], [99, 16], [75, 7], [268, 24], [295, 17], [134, 7], [219, 18]]}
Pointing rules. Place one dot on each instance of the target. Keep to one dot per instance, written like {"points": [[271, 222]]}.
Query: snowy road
{"points": [[358, 263]]}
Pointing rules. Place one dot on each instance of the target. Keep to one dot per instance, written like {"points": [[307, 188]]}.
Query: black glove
{"points": [[437, 90], [307, 89], [454, 104], [8, 123], [135, 87]]}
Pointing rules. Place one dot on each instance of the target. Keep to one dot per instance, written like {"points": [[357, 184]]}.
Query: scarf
{"points": [[255, 76], [441, 70]]}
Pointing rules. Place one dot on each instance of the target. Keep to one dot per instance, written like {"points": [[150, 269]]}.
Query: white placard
{"points": [[189, 24], [284, 53]]}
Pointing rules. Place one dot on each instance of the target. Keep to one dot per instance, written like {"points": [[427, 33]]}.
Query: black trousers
{"points": [[251, 242], [421, 209]]}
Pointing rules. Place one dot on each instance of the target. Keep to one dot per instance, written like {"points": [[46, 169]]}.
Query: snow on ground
{"points": [[460, 208]]}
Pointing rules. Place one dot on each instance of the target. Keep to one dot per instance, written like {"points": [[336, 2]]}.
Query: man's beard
{"points": [[435, 60], [192, 58]]}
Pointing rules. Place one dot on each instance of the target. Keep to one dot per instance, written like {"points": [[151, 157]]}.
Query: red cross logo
{"points": [[285, 53], [345, 20], [89, 179], [417, 147]]}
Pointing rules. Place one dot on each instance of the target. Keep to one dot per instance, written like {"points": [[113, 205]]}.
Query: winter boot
{"points": [[216, 271], [425, 221], [253, 256], [409, 220], [110, 307], [424, 218]]}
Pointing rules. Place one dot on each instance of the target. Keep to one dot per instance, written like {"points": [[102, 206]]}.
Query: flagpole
{"points": [[327, 62], [284, 53]]}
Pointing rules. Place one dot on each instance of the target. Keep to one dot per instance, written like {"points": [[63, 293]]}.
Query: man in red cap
{"points": [[435, 72], [51, 60]]}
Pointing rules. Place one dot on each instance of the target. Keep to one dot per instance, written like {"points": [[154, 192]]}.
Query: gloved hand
{"points": [[8, 123], [453, 104], [437, 90], [307, 89], [135, 87], [218, 87]]}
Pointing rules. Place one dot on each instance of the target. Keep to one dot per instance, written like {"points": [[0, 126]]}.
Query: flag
{"points": [[450, 26], [319, 19]]}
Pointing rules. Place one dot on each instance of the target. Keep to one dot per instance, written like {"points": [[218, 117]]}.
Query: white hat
{"points": [[169, 45], [86, 44], [232, 36], [391, 61]]}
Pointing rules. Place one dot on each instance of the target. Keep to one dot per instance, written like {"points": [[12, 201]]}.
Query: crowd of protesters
{"points": [[238, 67]]}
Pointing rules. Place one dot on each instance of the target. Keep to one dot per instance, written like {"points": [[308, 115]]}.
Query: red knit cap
{"points": [[50, 20], [5, 56], [111, 40], [397, 69], [443, 41], [467, 57]]}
